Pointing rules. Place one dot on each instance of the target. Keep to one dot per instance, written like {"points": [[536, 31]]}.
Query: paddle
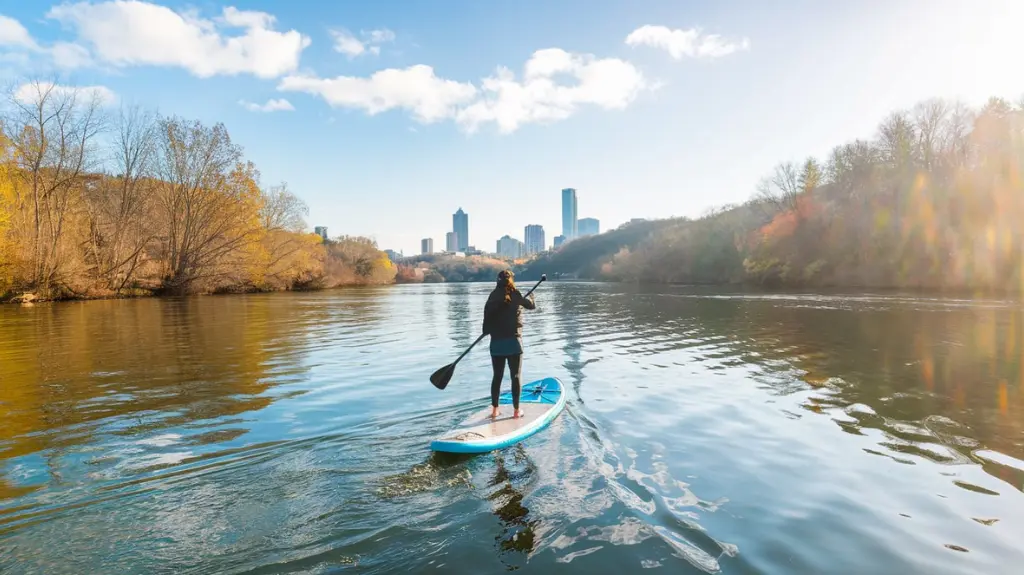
{"points": [[441, 377]]}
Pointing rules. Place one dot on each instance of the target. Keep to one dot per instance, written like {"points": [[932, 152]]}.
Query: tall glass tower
{"points": [[569, 213], [460, 225]]}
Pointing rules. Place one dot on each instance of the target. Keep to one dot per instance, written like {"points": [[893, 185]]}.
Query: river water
{"points": [[706, 431]]}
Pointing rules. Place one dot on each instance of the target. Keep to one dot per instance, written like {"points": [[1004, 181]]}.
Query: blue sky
{"points": [[649, 108]]}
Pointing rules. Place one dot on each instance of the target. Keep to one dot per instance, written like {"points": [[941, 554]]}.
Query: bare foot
{"points": [[519, 413], [495, 413]]}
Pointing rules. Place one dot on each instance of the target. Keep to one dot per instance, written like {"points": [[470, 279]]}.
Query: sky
{"points": [[385, 117]]}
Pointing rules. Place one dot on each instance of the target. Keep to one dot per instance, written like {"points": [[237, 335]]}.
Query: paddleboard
{"points": [[540, 401]]}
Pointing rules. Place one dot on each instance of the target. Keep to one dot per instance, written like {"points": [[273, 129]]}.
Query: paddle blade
{"points": [[441, 377]]}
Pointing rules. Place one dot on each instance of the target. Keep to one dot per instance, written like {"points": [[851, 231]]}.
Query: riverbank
{"points": [[742, 288], [29, 298]]}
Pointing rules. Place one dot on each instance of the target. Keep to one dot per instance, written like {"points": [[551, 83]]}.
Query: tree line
{"points": [[96, 203], [934, 200], [435, 268]]}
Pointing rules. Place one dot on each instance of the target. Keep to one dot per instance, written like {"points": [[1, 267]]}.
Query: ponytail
{"points": [[506, 278]]}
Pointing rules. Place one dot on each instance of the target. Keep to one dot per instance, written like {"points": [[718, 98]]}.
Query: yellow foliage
{"points": [[8, 206], [244, 180], [188, 216], [6, 213]]}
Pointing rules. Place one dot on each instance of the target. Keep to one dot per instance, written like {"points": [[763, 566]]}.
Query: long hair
{"points": [[506, 279]]}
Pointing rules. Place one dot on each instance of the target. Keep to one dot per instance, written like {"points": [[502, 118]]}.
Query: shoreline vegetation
{"points": [[933, 203], [97, 204]]}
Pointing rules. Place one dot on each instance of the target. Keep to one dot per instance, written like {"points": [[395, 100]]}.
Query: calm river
{"points": [[705, 432]]}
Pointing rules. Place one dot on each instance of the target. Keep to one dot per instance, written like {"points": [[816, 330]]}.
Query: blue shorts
{"points": [[506, 346]]}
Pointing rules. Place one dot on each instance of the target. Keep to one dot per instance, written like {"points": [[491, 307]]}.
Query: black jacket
{"points": [[505, 320]]}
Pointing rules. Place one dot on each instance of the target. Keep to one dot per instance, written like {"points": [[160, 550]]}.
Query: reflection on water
{"points": [[462, 317], [517, 527], [705, 432]]}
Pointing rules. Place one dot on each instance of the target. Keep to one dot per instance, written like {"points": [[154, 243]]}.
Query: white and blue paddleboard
{"points": [[540, 401]]}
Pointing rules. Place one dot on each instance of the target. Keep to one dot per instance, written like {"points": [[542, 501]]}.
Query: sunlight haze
{"points": [[386, 117]]}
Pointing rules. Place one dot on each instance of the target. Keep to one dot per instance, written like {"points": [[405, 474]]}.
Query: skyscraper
{"points": [[427, 245], [509, 247], [460, 225], [451, 242], [559, 240], [589, 227], [569, 213], [533, 237]]}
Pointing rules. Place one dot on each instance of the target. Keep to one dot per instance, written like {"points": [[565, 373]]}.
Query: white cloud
{"points": [[607, 83], [68, 55], [347, 43], [133, 32], [680, 43], [25, 52], [31, 92], [12, 33], [246, 18], [272, 105], [380, 36], [541, 96], [415, 88]]}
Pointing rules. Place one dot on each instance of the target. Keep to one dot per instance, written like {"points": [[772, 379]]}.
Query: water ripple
{"points": [[705, 432]]}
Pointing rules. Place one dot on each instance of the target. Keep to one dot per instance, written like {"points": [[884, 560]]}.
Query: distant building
{"points": [[321, 231], [509, 247], [589, 227], [460, 225], [427, 246], [634, 220], [559, 240], [569, 213], [451, 242], [393, 255], [472, 251], [533, 239]]}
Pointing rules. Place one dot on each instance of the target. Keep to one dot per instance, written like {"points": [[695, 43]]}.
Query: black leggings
{"points": [[515, 362]]}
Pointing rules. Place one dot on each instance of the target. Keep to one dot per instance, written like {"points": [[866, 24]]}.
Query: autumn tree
{"points": [[8, 209], [282, 210], [121, 206], [53, 131], [288, 256], [779, 191], [810, 176], [356, 259], [209, 200]]}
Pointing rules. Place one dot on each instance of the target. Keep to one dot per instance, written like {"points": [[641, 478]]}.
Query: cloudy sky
{"points": [[387, 116]]}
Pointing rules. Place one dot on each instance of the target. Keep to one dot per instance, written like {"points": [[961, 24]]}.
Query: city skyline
{"points": [[548, 240], [534, 237]]}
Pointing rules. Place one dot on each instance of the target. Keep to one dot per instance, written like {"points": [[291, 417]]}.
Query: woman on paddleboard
{"points": [[503, 321]]}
